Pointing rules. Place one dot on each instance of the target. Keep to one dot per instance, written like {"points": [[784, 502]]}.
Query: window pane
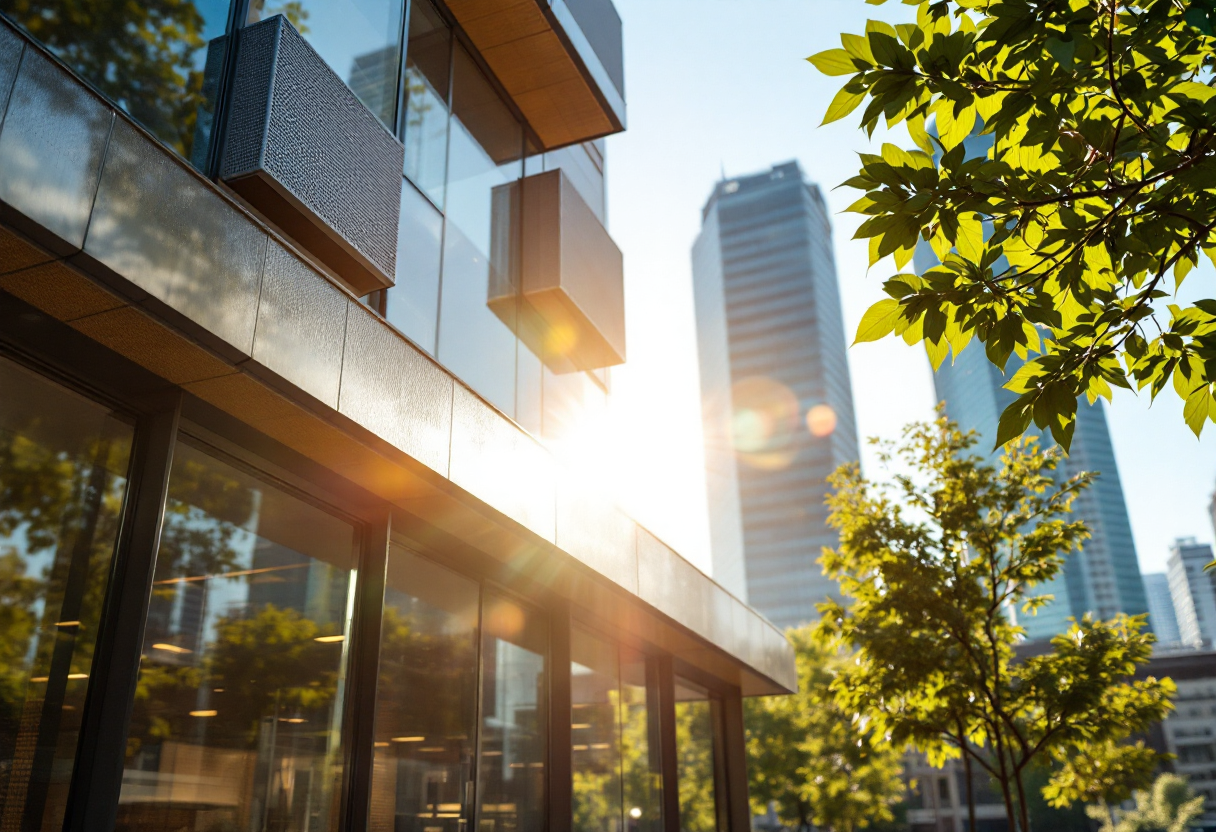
{"points": [[426, 705], [476, 341], [427, 58], [413, 303], [63, 469], [238, 711], [152, 59], [595, 688], [359, 39], [695, 758], [641, 773], [511, 788]]}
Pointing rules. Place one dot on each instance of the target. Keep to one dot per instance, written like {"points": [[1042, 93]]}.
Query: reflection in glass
{"points": [[486, 145], [359, 39], [63, 469], [237, 720], [412, 305], [426, 705], [595, 691], [427, 59], [695, 758], [150, 58], [641, 773], [511, 788]]}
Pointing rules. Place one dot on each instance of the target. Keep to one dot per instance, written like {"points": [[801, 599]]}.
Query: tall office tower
{"points": [[775, 385], [1193, 591], [1104, 579], [1161, 613]]}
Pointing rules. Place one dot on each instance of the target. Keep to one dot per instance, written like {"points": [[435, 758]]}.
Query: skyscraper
{"points": [[775, 386], [1104, 578], [1161, 613], [1193, 591]]}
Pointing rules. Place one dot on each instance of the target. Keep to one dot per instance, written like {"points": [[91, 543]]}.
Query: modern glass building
{"points": [[1193, 590], [778, 402], [1104, 578], [1161, 612], [295, 301]]}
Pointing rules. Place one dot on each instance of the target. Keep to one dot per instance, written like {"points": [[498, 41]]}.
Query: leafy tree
{"points": [[1097, 195], [695, 766], [932, 565], [817, 763], [1170, 806]]}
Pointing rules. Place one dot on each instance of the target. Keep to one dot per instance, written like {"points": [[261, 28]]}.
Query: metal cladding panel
{"points": [[307, 153]]}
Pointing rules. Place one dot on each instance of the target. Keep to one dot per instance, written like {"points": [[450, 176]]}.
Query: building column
{"points": [[734, 751], [561, 763], [666, 707]]}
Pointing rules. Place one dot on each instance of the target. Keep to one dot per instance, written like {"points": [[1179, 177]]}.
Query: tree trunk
{"points": [[970, 788]]}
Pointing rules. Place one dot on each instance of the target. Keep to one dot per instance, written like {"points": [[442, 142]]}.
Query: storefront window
{"points": [[426, 705], [696, 763], [151, 59], [511, 788], [427, 68], [359, 39], [477, 341], [63, 470], [238, 709], [595, 688], [641, 774]]}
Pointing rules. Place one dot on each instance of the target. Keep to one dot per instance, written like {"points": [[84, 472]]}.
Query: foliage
{"points": [[1170, 806], [695, 766], [814, 761], [1097, 194], [932, 565]]}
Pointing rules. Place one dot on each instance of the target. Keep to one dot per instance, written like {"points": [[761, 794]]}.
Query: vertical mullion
{"points": [[561, 764], [734, 752], [667, 743], [400, 98], [363, 674], [97, 779], [474, 784]]}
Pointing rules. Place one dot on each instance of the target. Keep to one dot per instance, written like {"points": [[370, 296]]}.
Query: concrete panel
{"points": [[168, 232], [60, 291], [501, 465], [51, 148], [11, 46], [597, 533], [301, 325], [396, 392], [672, 584]]}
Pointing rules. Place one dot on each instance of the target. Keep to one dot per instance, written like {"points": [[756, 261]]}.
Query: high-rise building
{"points": [[1194, 591], [297, 314], [1104, 578], [775, 384], [1161, 614]]}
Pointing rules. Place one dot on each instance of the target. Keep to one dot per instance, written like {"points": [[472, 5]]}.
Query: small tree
{"points": [[816, 763], [1170, 806], [934, 565]]}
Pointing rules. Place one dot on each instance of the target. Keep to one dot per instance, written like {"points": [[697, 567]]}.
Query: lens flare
{"points": [[764, 423], [821, 420]]}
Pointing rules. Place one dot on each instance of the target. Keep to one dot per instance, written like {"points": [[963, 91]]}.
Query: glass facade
{"points": [[63, 480], [238, 710], [698, 758]]}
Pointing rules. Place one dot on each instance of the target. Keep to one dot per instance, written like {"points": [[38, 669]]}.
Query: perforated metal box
{"points": [[303, 150]]}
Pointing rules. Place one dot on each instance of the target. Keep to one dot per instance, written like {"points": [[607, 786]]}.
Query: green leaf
{"points": [[833, 62], [970, 240], [1062, 49], [878, 322], [937, 351], [844, 103], [1014, 422], [1196, 409]]}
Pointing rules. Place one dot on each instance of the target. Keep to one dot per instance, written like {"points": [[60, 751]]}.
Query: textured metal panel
{"points": [[173, 236], [296, 123], [396, 392], [301, 327], [501, 465], [672, 584], [10, 57], [51, 147], [596, 532]]}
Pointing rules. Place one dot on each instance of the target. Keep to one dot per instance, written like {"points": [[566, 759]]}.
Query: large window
{"points": [[159, 60], [641, 774], [698, 757], [238, 710], [425, 121], [511, 787], [426, 706], [63, 478]]}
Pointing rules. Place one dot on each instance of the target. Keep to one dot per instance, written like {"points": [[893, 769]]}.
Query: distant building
{"points": [[1193, 591], [1161, 615], [1189, 732], [775, 380], [937, 800]]}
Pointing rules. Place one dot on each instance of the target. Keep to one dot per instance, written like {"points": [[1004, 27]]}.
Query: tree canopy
{"points": [[935, 567], [1095, 199]]}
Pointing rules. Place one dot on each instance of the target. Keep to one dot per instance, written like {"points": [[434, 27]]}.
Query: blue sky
{"points": [[719, 86]]}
